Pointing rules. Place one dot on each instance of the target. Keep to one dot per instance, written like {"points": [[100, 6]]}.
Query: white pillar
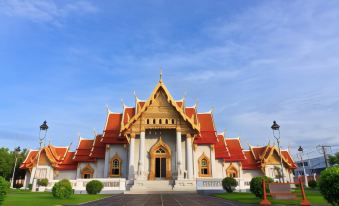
{"points": [[131, 159], [141, 170], [179, 156], [189, 159], [107, 158], [213, 161]]}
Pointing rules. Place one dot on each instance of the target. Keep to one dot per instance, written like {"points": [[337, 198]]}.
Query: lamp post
{"points": [[301, 151], [42, 136], [275, 128], [16, 153]]}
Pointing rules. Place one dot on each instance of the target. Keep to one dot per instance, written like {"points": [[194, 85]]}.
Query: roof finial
{"points": [[160, 80], [107, 108]]}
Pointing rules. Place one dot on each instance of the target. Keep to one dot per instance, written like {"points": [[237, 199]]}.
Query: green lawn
{"points": [[27, 198], [313, 196]]}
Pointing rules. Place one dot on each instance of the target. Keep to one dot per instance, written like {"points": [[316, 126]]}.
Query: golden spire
{"points": [[160, 75]]}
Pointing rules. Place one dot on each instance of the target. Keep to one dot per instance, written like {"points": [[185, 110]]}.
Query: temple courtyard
{"points": [[163, 200]]}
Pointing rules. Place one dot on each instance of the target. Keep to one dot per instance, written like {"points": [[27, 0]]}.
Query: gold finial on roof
{"points": [[160, 80]]}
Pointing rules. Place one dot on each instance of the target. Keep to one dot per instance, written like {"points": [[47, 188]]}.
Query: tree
{"points": [[7, 161], [329, 184], [4, 186], [256, 185], [229, 183], [94, 187], [334, 159]]}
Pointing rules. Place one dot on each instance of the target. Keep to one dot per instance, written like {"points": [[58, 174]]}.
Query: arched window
{"points": [[204, 166], [160, 121], [87, 172], [231, 171], [147, 121], [115, 166], [154, 121], [173, 121], [160, 151], [166, 121]]}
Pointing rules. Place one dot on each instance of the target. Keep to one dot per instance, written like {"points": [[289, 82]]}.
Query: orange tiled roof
{"points": [[57, 156], [235, 150], [249, 163], [83, 151], [112, 130], [98, 148], [207, 133], [221, 151]]}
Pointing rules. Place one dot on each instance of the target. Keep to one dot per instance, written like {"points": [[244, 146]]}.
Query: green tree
{"points": [[7, 161], [329, 184], [229, 184], [334, 159]]}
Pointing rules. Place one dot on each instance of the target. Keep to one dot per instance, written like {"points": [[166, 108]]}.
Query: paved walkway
{"points": [[162, 200]]}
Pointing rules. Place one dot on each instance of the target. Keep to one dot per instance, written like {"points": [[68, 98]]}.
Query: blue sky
{"points": [[252, 61]]}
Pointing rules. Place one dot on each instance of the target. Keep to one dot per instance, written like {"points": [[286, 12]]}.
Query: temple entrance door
{"points": [[160, 162], [160, 168]]}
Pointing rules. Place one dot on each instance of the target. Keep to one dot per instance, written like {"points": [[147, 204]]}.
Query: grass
{"points": [[244, 197], [28, 198]]}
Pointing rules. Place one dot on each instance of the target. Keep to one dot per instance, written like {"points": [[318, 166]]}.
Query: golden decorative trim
{"points": [[115, 157], [153, 155], [231, 169], [87, 170], [208, 167]]}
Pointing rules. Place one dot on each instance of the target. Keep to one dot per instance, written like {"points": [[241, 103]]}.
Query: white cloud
{"points": [[45, 11]]}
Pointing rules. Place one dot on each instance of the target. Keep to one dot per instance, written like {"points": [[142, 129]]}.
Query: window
{"points": [[160, 151], [232, 171], [166, 121], [154, 121], [147, 121], [87, 172], [115, 166], [173, 121], [160, 121], [204, 166], [87, 176]]}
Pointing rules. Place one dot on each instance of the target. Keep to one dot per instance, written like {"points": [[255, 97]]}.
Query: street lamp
{"points": [[301, 151], [16, 153], [275, 128], [42, 136]]}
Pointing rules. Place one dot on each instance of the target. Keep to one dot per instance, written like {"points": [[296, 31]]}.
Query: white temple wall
{"points": [[81, 166], [219, 168], [65, 174], [249, 174], [168, 137], [201, 149], [100, 164], [122, 152]]}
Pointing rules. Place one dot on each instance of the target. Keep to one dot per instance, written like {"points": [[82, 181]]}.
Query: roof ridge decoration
{"points": [[170, 100]]}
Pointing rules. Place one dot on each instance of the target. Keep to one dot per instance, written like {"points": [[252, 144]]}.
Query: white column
{"points": [[107, 157], [179, 156], [189, 159], [213, 161], [141, 170], [131, 159]]}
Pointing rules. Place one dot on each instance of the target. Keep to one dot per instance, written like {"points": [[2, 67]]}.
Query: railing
{"points": [[110, 184], [216, 184]]}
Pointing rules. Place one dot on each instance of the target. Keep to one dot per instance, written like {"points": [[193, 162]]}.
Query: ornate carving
{"points": [[166, 154]]}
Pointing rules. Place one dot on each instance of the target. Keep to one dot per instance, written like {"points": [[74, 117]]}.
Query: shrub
{"points": [[30, 186], [94, 187], [229, 183], [256, 185], [312, 184], [329, 184], [4, 186], [62, 189], [43, 182]]}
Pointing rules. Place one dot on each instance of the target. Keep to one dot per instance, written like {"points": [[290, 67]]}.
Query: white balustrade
{"points": [[111, 185]]}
